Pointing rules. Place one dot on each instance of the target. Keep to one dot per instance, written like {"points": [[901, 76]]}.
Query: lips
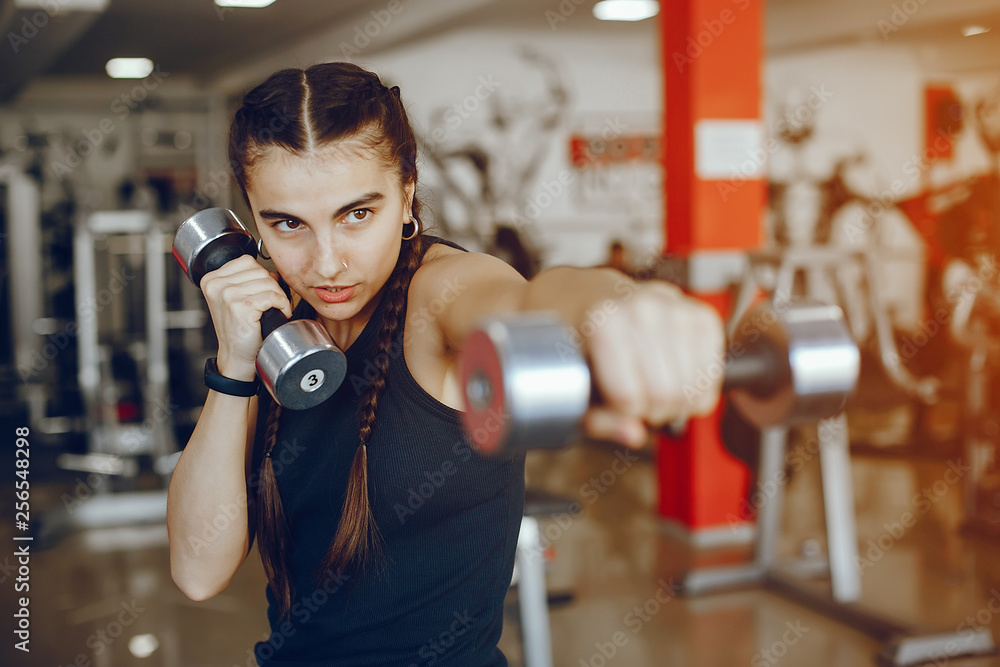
{"points": [[334, 293]]}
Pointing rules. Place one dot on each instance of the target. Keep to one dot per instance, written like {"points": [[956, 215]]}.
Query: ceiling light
{"points": [[971, 30], [129, 68], [255, 4], [626, 10], [64, 5]]}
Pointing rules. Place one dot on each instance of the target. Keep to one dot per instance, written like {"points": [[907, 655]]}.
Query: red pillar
{"points": [[715, 196]]}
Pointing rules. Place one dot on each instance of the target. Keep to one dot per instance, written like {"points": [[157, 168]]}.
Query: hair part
{"points": [[306, 111]]}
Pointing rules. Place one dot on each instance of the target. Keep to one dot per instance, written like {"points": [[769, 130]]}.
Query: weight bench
{"points": [[529, 574]]}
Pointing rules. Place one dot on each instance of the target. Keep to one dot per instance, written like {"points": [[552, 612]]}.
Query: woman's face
{"points": [[316, 214]]}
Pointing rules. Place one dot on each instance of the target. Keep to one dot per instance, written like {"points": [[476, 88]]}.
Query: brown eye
{"points": [[360, 215], [291, 225]]}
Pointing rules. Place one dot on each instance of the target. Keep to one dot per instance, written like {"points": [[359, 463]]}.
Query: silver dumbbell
{"points": [[298, 362], [527, 385]]}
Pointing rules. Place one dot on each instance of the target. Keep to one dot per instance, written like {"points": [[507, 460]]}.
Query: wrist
{"points": [[226, 385], [237, 369]]}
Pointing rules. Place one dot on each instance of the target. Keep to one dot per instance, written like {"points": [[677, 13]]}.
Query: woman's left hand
{"points": [[656, 356]]}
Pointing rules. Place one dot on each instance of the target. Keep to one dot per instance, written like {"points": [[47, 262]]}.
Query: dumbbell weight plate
{"points": [[822, 361], [298, 365], [208, 239], [524, 384]]}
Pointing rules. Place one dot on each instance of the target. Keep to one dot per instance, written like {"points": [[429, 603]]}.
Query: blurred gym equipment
{"points": [[973, 282], [128, 248], [903, 643]]}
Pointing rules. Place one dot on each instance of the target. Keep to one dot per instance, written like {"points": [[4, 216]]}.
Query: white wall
{"points": [[614, 85]]}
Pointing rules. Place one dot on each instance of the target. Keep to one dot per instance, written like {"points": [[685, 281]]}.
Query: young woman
{"points": [[386, 540]]}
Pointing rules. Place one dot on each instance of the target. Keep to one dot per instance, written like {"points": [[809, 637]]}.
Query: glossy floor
{"points": [[104, 597]]}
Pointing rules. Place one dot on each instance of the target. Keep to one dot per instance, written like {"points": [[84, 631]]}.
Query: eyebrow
{"points": [[364, 200]]}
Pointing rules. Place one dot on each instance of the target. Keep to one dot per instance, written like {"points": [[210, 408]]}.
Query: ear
{"points": [[408, 190]]}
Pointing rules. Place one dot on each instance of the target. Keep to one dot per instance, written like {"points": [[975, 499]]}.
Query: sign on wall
{"points": [[618, 166]]}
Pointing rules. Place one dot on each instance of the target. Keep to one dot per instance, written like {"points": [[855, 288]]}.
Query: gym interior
{"points": [[759, 155]]}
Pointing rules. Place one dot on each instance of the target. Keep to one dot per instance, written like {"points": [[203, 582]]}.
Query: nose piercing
{"points": [[344, 263]]}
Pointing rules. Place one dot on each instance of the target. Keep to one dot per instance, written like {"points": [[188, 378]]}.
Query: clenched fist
{"points": [[648, 352]]}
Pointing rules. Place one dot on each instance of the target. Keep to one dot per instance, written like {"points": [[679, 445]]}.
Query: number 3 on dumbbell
{"points": [[526, 385], [313, 380]]}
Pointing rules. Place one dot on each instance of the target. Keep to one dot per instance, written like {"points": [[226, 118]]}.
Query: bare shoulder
{"points": [[440, 251], [449, 294], [447, 272]]}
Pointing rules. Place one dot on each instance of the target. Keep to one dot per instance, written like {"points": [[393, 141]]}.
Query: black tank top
{"points": [[449, 519]]}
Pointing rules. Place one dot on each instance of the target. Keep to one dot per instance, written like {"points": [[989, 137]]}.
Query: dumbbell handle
{"points": [[761, 371], [272, 318]]}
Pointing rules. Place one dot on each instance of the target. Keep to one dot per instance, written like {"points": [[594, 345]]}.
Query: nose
{"points": [[327, 259]]}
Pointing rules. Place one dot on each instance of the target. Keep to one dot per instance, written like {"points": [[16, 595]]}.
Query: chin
{"points": [[334, 311]]}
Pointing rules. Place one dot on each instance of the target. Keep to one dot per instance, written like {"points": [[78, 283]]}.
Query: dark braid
{"points": [[270, 523], [409, 262], [357, 535], [298, 111], [272, 527]]}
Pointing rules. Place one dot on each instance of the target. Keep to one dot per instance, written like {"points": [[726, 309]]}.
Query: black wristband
{"points": [[223, 385]]}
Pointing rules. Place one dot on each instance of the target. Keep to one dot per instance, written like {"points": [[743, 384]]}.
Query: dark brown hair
{"points": [[301, 111]]}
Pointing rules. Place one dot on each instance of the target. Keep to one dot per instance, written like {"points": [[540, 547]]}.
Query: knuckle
{"points": [[708, 407], [626, 396], [244, 262], [210, 285], [694, 398], [663, 398], [226, 293], [710, 316], [702, 410]]}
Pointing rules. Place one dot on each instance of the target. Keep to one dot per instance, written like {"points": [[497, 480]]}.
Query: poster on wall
{"points": [[617, 164]]}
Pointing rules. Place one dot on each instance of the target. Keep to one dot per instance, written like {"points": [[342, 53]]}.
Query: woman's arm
{"points": [[207, 498], [646, 342]]}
